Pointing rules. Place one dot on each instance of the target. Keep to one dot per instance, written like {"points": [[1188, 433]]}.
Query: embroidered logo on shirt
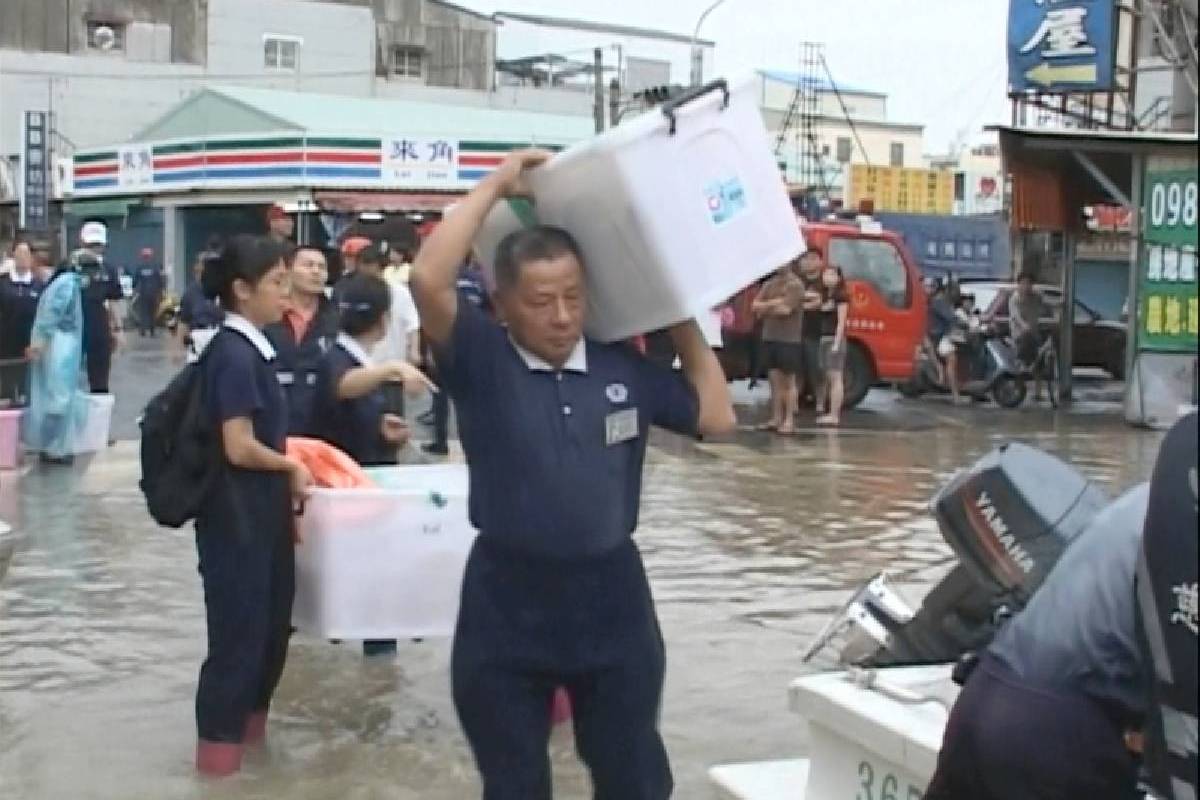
{"points": [[616, 393]]}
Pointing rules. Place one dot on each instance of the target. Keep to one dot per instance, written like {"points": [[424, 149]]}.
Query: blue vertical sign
{"points": [[1061, 45], [35, 171]]}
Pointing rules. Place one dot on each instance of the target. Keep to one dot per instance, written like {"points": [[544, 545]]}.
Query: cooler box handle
{"points": [[671, 106]]}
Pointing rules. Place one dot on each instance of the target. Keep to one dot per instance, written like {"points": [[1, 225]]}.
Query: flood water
{"points": [[749, 545]]}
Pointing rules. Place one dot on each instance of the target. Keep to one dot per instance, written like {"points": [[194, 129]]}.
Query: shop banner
{"points": [[1169, 316]]}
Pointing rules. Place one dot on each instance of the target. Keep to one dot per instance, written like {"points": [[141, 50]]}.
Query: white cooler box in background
{"points": [[92, 436], [384, 563], [675, 211]]}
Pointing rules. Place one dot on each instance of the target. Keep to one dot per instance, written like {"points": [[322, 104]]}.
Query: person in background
{"points": [[834, 310], [20, 289], [1165, 591], [1025, 311], [401, 342], [56, 406], [778, 305], [6, 256], [148, 284], [1056, 699], [280, 225], [472, 289], [554, 428], [245, 530], [102, 292], [351, 249], [942, 321], [199, 316], [356, 412], [302, 338], [812, 262], [400, 266]]}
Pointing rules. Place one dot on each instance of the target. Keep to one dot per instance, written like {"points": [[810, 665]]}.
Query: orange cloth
{"points": [[330, 467]]}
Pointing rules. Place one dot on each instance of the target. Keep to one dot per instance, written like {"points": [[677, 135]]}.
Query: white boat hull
{"points": [[865, 741]]}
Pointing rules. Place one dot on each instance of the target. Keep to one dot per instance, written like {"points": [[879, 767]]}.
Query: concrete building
{"points": [[861, 133], [1165, 93]]}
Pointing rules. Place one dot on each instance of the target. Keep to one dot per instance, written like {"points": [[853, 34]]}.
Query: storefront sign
{"points": [[901, 189], [1061, 45], [1169, 316], [425, 162], [35, 171], [135, 167]]}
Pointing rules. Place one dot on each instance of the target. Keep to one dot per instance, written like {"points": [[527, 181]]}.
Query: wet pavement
{"points": [[749, 542]]}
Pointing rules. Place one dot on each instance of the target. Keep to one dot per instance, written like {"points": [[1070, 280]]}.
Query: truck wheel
{"points": [[858, 375]]}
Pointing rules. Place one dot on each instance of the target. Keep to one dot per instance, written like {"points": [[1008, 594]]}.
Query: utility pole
{"points": [[614, 103], [598, 84]]}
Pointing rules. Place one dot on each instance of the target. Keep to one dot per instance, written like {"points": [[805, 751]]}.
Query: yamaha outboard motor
{"points": [[1008, 518]]}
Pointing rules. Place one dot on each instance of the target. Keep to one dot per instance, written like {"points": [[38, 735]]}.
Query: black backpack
{"points": [[181, 453]]}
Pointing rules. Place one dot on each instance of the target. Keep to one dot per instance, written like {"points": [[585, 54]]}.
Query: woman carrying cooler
{"points": [[245, 530], [358, 417], [835, 307]]}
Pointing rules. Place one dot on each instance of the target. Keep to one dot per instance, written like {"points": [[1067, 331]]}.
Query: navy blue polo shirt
{"points": [[100, 284], [18, 308], [239, 381], [548, 477], [353, 426]]}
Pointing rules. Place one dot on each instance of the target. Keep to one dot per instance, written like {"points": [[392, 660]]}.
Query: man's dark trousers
{"points": [[527, 626]]}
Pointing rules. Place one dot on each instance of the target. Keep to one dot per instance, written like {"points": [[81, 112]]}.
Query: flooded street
{"points": [[749, 543]]}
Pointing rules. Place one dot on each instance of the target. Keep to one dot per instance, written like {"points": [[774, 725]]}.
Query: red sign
{"points": [[987, 186]]}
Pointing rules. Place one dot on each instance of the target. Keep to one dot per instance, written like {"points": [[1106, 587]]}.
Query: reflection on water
{"points": [[749, 545]]}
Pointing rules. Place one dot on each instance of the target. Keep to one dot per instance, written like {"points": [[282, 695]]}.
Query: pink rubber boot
{"points": [[560, 707], [256, 729], [218, 759]]}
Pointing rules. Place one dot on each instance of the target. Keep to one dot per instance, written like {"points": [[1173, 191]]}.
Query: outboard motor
{"points": [[1008, 518]]}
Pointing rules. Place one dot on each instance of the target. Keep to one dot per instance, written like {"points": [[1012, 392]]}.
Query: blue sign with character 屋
{"points": [[1061, 45]]}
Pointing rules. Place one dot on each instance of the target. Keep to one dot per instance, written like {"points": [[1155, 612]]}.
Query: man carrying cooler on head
{"points": [[554, 428]]}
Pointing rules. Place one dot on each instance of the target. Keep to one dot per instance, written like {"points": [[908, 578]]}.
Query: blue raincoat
{"points": [[57, 406]]}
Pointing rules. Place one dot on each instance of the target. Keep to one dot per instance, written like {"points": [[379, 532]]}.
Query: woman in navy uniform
{"points": [[245, 531], [554, 428], [357, 415], [303, 337], [19, 293]]}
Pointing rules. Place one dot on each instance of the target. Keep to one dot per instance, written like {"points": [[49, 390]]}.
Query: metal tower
{"points": [[801, 121]]}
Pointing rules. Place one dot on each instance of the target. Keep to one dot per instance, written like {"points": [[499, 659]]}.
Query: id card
{"points": [[620, 426]]}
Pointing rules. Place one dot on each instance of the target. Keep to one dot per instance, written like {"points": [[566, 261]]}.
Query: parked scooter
{"points": [[989, 369]]}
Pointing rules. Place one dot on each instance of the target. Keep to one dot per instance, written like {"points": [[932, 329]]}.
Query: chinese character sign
{"points": [[1169, 315], [135, 167], [1061, 45], [35, 171], [419, 161]]}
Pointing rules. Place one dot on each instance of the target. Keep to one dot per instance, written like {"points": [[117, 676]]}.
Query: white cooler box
{"points": [[92, 435], [384, 563], [674, 214]]}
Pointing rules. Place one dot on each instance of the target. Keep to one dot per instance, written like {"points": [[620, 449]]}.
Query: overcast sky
{"points": [[942, 62]]}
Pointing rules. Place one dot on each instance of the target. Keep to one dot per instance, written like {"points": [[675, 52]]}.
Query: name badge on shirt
{"points": [[621, 426]]}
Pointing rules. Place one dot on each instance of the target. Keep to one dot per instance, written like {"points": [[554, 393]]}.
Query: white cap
{"points": [[94, 233]]}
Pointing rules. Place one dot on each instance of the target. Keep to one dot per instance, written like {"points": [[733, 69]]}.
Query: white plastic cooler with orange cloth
{"points": [[386, 562], [675, 210]]}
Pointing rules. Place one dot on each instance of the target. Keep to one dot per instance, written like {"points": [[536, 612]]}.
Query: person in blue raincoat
{"points": [[56, 403]]}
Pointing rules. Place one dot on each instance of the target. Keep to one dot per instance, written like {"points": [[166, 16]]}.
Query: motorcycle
{"points": [[990, 368]]}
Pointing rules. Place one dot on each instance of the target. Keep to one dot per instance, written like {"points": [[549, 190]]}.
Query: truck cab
{"points": [[887, 307]]}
